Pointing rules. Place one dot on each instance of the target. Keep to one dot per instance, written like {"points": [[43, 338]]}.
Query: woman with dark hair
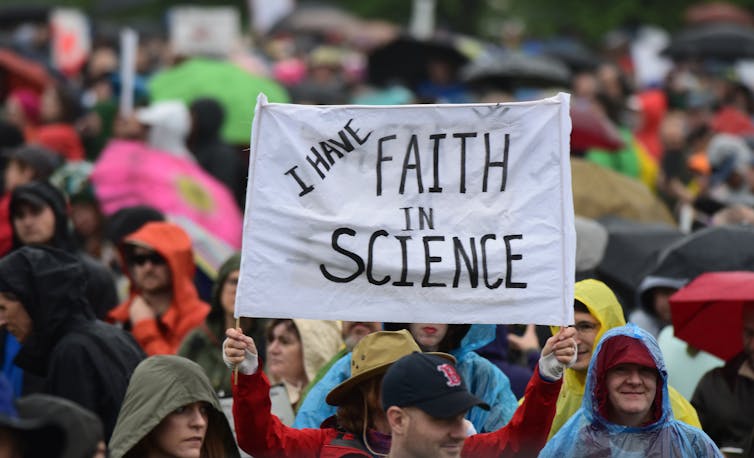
{"points": [[59, 111], [171, 410]]}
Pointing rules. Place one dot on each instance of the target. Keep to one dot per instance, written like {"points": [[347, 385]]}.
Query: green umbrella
{"points": [[233, 87]]}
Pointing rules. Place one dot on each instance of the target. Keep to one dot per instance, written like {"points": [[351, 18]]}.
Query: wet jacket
{"points": [[483, 378], [604, 306], [724, 399], [589, 433], [164, 334], [81, 359], [100, 286], [262, 435], [161, 384]]}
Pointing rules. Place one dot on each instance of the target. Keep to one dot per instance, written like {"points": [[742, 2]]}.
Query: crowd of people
{"points": [[119, 339]]}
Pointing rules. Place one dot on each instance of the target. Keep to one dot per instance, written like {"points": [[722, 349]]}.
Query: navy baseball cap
{"points": [[430, 383]]}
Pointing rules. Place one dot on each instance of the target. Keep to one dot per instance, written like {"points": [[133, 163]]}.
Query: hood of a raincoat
{"points": [[39, 193], [159, 385], [588, 433], [320, 341], [50, 284], [648, 284], [83, 428], [173, 244], [592, 404], [604, 307]]}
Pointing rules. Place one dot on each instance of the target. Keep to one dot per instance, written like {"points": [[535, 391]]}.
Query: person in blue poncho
{"points": [[627, 412], [485, 380]]}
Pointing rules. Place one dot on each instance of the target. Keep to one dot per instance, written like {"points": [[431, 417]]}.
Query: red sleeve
{"points": [[526, 433], [262, 434], [149, 337]]}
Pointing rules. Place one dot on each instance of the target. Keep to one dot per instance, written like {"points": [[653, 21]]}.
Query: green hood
{"points": [[159, 385]]}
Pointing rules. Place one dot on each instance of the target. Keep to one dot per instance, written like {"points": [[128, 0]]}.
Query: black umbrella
{"points": [[717, 40], [512, 70], [632, 248], [714, 249], [572, 53], [405, 60]]}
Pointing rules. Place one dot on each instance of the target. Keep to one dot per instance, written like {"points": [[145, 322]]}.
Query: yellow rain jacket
{"points": [[604, 306]]}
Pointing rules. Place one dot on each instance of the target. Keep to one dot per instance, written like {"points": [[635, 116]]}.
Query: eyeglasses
{"points": [[585, 327], [141, 259]]}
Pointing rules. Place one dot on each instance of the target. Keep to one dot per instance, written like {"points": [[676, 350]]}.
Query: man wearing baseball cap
{"points": [[425, 401]]}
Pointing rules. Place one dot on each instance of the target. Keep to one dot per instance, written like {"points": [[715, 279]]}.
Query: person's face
{"points": [[631, 390], [16, 174], [150, 271], [49, 109], [101, 451], [428, 335], [429, 437], [587, 328], [354, 331], [14, 114], [748, 333], [284, 355], [34, 225], [14, 317], [662, 302], [228, 293], [86, 218], [181, 433]]}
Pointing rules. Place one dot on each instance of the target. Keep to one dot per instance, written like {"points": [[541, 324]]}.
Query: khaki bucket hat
{"points": [[372, 356]]}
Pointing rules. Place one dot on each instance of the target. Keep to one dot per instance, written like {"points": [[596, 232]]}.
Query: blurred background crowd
{"points": [[114, 115]]}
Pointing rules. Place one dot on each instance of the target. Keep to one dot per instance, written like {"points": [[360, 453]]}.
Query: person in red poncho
{"points": [[163, 305]]}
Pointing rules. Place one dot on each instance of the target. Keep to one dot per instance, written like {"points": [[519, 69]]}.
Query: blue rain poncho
{"points": [[483, 378], [589, 433]]}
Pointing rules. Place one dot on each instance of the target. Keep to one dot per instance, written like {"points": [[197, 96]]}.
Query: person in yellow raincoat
{"points": [[597, 310]]}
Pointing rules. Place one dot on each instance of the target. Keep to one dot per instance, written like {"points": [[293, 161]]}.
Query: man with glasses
{"points": [[597, 310], [163, 304]]}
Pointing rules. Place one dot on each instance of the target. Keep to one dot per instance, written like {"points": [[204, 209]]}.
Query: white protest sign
{"points": [[418, 213], [71, 43], [204, 31]]}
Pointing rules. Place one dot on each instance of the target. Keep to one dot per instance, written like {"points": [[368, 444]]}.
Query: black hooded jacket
{"points": [[212, 154], [101, 293], [81, 359]]}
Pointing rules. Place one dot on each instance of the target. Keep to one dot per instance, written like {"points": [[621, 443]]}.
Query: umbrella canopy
{"points": [[130, 173], [572, 53], [708, 312], [592, 129], [717, 248], [405, 59], [233, 87], [512, 70], [599, 192], [716, 40], [632, 248]]}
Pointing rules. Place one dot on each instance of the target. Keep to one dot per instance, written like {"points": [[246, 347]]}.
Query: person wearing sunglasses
{"points": [[163, 305]]}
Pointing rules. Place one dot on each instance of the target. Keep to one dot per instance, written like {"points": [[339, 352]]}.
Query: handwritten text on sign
{"points": [[454, 213]]}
